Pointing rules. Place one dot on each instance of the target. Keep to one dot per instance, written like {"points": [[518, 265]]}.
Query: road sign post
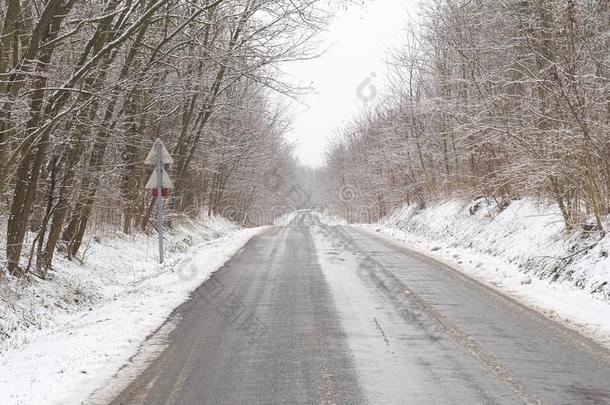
{"points": [[160, 183], [160, 200]]}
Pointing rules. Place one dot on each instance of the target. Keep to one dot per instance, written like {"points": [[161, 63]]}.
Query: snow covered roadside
{"points": [[520, 250], [92, 318]]}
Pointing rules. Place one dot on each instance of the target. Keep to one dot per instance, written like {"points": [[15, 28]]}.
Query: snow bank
{"points": [[520, 248], [63, 337]]}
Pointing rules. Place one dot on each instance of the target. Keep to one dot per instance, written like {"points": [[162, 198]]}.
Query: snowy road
{"points": [[330, 315]]}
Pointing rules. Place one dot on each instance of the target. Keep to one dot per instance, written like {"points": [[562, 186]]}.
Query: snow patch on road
{"points": [[65, 337], [520, 249], [309, 217], [382, 369]]}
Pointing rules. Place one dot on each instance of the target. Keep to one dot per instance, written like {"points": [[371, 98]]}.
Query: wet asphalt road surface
{"points": [[312, 314]]}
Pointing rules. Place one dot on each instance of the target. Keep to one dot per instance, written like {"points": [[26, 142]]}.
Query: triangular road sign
{"points": [[166, 182], [166, 158]]}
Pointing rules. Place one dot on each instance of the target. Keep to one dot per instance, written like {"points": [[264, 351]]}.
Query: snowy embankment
{"points": [[63, 338], [521, 250]]}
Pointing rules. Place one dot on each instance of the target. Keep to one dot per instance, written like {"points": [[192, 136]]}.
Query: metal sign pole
{"points": [[159, 156], [160, 199]]}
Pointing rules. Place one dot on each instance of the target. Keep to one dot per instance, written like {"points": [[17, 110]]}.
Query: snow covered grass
{"points": [[62, 338], [520, 249]]}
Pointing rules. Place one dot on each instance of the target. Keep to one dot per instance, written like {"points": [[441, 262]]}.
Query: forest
{"points": [[86, 86], [499, 99], [494, 99]]}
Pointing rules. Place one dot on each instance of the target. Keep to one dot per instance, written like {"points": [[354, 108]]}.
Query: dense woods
{"points": [[86, 87], [501, 99]]}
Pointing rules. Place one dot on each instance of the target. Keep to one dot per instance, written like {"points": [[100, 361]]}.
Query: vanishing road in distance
{"points": [[315, 314]]}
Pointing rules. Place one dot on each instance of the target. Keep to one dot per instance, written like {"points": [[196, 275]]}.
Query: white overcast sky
{"points": [[359, 38]]}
